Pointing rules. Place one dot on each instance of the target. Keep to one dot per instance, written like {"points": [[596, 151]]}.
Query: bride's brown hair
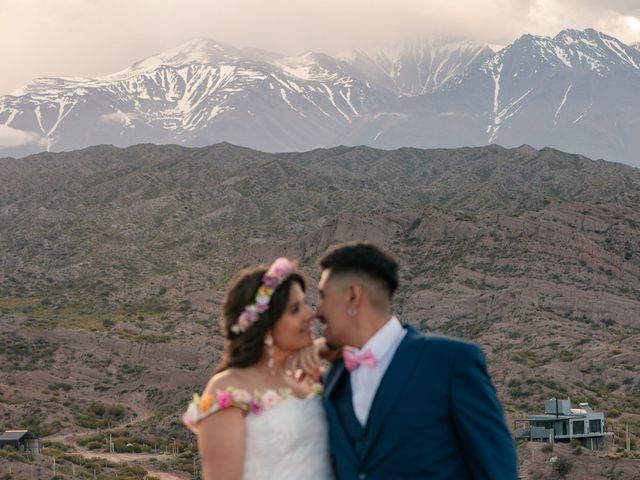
{"points": [[245, 349]]}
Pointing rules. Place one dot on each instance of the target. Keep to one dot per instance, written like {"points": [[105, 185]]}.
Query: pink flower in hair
{"points": [[281, 267], [277, 273], [270, 281], [262, 307]]}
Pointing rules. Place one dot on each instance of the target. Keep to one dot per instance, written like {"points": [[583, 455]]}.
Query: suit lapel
{"points": [[335, 374], [398, 373]]}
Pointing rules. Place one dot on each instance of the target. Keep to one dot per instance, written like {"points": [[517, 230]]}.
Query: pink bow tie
{"points": [[353, 360]]}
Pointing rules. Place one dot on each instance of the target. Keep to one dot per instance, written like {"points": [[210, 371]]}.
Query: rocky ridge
{"points": [[114, 263]]}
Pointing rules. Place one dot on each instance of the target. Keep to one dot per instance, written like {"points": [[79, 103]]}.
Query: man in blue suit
{"points": [[400, 404]]}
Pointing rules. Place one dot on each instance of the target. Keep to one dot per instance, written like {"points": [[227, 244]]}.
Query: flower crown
{"points": [[278, 272]]}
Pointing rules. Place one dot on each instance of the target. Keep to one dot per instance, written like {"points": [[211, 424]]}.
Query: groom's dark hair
{"points": [[365, 259]]}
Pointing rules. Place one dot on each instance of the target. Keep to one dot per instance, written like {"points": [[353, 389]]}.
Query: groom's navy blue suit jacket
{"points": [[435, 415]]}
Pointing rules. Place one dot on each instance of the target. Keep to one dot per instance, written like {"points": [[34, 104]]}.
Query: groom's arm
{"points": [[478, 418]]}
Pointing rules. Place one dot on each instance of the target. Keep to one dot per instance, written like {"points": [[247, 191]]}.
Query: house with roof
{"points": [[561, 423], [21, 440]]}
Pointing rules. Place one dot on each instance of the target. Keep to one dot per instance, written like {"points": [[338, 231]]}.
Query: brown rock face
{"points": [[114, 264]]}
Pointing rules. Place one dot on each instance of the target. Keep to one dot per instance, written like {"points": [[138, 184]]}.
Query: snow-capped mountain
{"points": [[420, 66], [636, 45], [577, 91], [199, 93]]}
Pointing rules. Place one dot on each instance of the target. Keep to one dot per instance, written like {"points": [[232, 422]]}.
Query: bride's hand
{"points": [[307, 363]]}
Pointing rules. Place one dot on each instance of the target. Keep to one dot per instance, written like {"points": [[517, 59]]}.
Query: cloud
{"points": [[78, 37], [12, 137]]}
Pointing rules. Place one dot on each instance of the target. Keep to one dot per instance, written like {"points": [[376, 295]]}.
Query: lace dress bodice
{"points": [[286, 437], [288, 442]]}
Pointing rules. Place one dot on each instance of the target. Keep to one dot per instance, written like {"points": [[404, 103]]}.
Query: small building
{"points": [[561, 423], [21, 440]]}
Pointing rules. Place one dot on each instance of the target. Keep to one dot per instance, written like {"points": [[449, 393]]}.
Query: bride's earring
{"points": [[268, 341], [351, 312]]}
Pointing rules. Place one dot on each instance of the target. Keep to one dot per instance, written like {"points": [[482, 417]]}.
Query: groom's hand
{"points": [[307, 363]]}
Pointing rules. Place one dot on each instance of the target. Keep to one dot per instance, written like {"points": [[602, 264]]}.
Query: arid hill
{"points": [[114, 263]]}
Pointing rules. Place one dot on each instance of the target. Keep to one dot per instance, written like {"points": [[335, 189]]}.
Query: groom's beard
{"points": [[331, 346], [326, 332]]}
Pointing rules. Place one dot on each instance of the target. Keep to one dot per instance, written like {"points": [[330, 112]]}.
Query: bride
{"points": [[254, 421]]}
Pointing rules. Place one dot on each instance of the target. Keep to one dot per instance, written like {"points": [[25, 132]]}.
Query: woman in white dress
{"points": [[254, 420]]}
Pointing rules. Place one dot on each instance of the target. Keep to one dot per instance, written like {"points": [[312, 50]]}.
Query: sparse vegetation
{"points": [[538, 265]]}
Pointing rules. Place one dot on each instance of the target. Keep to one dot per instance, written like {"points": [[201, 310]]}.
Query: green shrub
{"points": [[562, 466], [12, 454], [548, 448], [93, 445], [98, 409]]}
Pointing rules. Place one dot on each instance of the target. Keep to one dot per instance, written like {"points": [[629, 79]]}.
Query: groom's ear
{"points": [[355, 294]]}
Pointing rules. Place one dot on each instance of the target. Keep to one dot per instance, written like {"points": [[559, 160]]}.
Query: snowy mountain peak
{"points": [[636, 46], [198, 50], [587, 50], [571, 35], [420, 65], [599, 48]]}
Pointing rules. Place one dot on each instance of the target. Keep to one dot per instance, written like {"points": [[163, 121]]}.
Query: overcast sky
{"points": [[96, 37]]}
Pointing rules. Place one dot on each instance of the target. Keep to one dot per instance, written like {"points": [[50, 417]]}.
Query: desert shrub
{"points": [[100, 415], [97, 408], [131, 472], [94, 445], [115, 411], [12, 454], [562, 466], [59, 386], [42, 429]]}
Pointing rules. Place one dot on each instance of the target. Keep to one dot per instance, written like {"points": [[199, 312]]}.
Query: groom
{"points": [[400, 404]]}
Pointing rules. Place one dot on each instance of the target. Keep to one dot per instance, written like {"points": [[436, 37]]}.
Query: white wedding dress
{"points": [[286, 437], [288, 442]]}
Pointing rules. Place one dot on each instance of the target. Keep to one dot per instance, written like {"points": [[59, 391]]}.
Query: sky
{"points": [[40, 38]]}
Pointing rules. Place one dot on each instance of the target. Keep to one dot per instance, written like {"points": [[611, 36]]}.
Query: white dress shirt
{"points": [[365, 380]]}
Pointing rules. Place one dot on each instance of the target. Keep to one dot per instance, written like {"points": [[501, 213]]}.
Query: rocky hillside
{"points": [[114, 262]]}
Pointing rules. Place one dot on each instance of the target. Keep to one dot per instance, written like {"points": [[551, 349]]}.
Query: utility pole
{"points": [[54, 466]]}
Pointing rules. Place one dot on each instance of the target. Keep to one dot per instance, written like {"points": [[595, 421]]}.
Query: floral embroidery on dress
{"points": [[203, 406]]}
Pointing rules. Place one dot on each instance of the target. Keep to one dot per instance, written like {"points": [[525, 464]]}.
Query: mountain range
{"points": [[114, 263], [577, 91]]}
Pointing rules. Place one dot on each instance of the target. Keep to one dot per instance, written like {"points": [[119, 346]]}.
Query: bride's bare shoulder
{"points": [[237, 378]]}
